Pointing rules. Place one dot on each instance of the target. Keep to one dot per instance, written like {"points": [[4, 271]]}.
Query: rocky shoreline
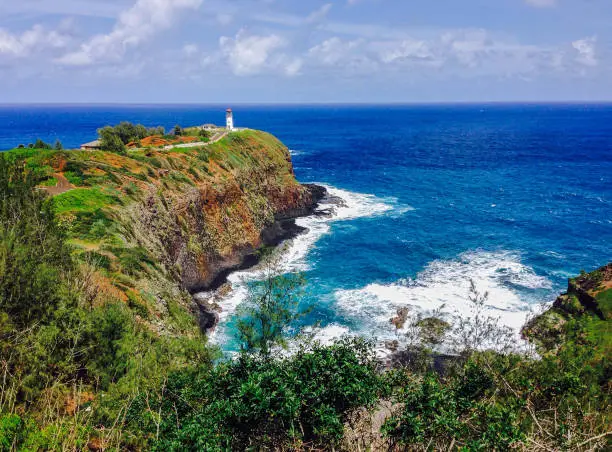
{"points": [[284, 228]]}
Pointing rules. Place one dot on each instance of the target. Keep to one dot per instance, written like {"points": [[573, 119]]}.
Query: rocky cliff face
{"points": [[157, 224], [202, 232]]}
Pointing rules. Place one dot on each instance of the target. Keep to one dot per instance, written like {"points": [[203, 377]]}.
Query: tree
{"points": [[204, 134], [178, 130], [33, 254], [110, 140], [271, 309], [40, 144], [58, 145]]}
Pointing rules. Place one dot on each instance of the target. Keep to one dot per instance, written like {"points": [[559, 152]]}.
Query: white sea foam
{"points": [[326, 335], [294, 254], [445, 284], [442, 284]]}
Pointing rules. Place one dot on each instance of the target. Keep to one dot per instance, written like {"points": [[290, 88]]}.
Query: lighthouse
{"points": [[229, 119]]}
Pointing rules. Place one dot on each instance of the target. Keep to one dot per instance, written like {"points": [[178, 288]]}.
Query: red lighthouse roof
{"points": [[229, 110]]}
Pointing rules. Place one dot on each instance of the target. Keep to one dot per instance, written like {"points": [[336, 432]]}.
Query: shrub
{"points": [[269, 403]]}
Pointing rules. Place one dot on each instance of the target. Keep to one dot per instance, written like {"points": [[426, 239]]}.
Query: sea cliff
{"points": [[156, 225]]}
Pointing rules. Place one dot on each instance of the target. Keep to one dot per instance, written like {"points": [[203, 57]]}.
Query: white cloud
{"points": [[35, 39], [541, 3], [190, 50], [252, 54], [294, 67], [292, 20], [134, 26], [454, 53], [586, 51], [408, 49], [334, 51]]}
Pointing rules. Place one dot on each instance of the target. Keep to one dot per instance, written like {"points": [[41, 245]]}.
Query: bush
{"points": [[33, 254], [40, 144], [111, 141], [438, 413], [269, 403]]}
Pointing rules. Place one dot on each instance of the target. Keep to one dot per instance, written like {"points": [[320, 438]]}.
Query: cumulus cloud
{"points": [[586, 51], [408, 50], [464, 53], [35, 39], [335, 50], [134, 26], [252, 54], [190, 50]]}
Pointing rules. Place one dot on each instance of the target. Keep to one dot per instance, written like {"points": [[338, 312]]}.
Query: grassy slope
{"points": [[589, 298], [145, 219]]}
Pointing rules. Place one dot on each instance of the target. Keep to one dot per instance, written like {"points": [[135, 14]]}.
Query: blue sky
{"points": [[305, 51]]}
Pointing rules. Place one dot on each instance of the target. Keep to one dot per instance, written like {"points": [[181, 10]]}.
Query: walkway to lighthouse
{"points": [[216, 137]]}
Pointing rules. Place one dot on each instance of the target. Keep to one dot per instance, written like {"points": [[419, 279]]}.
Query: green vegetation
{"points": [[271, 311], [62, 343], [286, 403], [116, 138], [51, 182], [82, 200], [100, 348]]}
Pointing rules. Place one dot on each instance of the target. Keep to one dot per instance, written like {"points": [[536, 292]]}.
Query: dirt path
{"points": [[216, 137], [62, 186]]}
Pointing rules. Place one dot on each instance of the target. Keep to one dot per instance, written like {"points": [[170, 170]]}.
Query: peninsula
{"points": [[164, 216]]}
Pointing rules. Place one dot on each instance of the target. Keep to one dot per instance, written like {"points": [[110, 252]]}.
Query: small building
{"points": [[92, 146], [229, 119]]}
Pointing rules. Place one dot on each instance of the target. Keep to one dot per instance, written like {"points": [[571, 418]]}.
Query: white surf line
{"points": [[353, 205], [444, 285]]}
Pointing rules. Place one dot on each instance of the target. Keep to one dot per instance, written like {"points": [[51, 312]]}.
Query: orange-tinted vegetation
{"points": [[159, 141]]}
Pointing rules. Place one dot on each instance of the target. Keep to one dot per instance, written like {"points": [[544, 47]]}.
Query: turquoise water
{"points": [[516, 197]]}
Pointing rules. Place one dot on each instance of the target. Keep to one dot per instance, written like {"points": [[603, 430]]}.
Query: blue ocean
{"points": [[515, 197]]}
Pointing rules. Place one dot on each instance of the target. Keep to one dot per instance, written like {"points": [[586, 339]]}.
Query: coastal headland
{"points": [[158, 224]]}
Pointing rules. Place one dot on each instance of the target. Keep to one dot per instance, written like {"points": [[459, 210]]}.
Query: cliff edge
{"points": [[588, 299], [154, 225]]}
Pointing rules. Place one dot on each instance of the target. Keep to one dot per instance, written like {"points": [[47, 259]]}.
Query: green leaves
{"points": [[271, 310], [441, 412], [274, 403], [33, 254]]}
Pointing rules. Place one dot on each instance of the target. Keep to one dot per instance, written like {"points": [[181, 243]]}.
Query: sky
{"points": [[304, 51]]}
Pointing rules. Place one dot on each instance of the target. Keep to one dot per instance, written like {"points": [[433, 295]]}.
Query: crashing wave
{"points": [[444, 286], [339, 205]]}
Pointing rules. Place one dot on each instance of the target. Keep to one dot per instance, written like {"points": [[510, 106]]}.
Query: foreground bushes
{"points": [[283, 402], [496, 401]]}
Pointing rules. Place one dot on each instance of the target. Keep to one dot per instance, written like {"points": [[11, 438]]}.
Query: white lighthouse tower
{"points": [[229, 119]]}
